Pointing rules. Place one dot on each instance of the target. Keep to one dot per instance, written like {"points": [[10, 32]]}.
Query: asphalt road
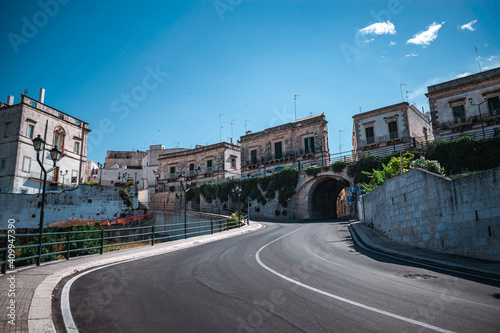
{"points": [[299, 277]]}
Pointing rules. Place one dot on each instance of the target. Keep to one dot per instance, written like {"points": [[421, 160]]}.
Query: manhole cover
{"points": [[418, 276]]}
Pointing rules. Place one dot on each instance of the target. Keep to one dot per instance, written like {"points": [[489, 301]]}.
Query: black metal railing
{"points": [[58, 245]]}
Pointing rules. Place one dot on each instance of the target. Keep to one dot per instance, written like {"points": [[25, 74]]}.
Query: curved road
{"points": [[298, 277]]}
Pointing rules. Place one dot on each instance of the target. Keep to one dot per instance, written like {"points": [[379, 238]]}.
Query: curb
{"points": [[40, 311], [437, 264]]}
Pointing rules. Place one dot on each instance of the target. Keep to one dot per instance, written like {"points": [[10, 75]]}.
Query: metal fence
{"points": [[20, 248]]}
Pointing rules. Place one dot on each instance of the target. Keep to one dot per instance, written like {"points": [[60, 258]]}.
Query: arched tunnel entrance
{"points": [[324, 198]]}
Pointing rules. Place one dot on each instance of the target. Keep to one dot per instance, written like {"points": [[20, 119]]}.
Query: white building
{"points": [[388, 129], [19, 125], [466, 106]]}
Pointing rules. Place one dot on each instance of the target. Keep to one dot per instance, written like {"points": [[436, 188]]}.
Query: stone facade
{"points": [[300, 143], [385, 130], [453, 114], [19, 125], [212, 163], [420, 208]]}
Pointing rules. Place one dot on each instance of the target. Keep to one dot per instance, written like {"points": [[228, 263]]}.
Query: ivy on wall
{"points": [[261, 189]]}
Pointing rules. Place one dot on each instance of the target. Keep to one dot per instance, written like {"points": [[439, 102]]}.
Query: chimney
{"points": [[42, 95], [10, 100]]}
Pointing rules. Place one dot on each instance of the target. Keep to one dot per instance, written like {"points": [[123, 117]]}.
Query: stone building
{"points": [[212, 163], [19, 125], [469, 105], [299, 144], [121, 166], [388, 129]]}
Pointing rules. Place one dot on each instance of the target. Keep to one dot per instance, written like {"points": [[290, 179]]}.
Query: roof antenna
{"points": [[401, 88], [295, 104], [477, 58]]}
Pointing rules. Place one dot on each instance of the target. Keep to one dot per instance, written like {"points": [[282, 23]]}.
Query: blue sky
{"points": [[161, 72]]}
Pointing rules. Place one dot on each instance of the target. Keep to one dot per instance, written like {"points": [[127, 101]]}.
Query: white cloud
{"points": [[392, 43], [411, 55], [380, 28], [427, 36], [463, 75], [469, 26], [490, 58]]}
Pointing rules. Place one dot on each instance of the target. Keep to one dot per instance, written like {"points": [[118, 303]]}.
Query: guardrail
{"points": [[59, 245]]}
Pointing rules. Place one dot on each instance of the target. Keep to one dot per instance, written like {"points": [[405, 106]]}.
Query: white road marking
{"points": [[69, 322], [342, 299]]}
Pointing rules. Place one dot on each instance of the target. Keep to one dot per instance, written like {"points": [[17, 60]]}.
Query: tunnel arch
{"points": [[322, 197]]}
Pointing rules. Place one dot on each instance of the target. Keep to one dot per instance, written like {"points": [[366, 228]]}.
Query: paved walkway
{"points": [[375, 240], [31, 288]]}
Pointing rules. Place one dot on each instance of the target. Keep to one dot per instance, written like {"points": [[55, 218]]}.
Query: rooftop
{"points": [[463, 81]]}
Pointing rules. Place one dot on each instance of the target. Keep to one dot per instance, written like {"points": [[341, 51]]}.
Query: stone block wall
{"points": [[88, 202], [420, 208]]}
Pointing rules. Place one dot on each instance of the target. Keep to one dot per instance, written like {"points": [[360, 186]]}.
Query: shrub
{"points": [[338, 166], [432, 166], [125, 195]]}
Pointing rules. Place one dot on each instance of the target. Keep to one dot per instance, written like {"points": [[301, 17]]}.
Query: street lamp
{"points": [[63, 174], [156, 172], [185, 190], [55, 155], [480, 114], [391, 134], [100, 166], [237, 191], [325, 133]]}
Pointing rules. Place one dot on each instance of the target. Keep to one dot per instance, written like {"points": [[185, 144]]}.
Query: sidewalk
{"points": [[33, 286], [375, 240]]}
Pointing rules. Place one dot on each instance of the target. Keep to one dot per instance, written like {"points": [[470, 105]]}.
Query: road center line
{"points": [[367, 307]]}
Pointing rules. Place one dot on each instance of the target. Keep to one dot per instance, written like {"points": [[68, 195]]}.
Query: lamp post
{"points": [[480, 114], [391, 135], [156, 172], [325, 133], [55, 155], [185, 190], [100, 166], [237, 191], [63, 175]]}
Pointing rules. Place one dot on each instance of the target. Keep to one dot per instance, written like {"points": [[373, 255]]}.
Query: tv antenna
{"points": [[477, 58], [295, 104], [246, 121], [220, 126], [401, 88]]}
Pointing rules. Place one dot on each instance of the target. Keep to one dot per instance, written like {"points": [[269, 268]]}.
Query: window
{"points": [[77, 147], [6, 131], [3, 164], [494, 105], [393, 130], [278, 152], [30, 131], [209, 165], [309, 145], [172, 170], [74, 176], [26, 164], [459, 114], [253, 156], [191, 167], [233, 162], [59, 136], [370, 136]]}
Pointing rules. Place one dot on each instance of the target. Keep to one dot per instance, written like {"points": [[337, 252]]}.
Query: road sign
{"points": [[349, 198], [352, 189], [289, 199], [361, 190], [249, 198], [349, 203]]}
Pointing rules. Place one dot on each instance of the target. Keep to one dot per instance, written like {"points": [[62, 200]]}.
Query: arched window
{"points": [[59, 135]]}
